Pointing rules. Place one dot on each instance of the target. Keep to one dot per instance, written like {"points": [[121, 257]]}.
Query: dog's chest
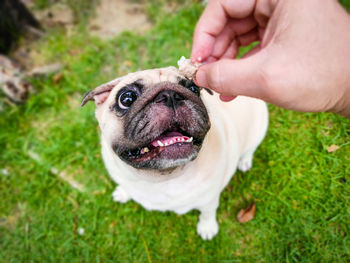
{"points": [[180, 194], [195, 185]]}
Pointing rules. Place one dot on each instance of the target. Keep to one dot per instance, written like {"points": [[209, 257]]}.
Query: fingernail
{"points": [[201, 79], [196, 55]]}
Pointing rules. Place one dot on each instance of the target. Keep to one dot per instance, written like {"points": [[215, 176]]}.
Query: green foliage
{"points": [[41, 4], [301, 191], [346, 4], [82, 9]]}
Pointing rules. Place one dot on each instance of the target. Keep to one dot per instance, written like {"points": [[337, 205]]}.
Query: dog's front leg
{"points": [[120, 195], [207, 226]]}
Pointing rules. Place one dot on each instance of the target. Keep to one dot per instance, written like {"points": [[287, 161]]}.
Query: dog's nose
{"points": [[169, 98]]}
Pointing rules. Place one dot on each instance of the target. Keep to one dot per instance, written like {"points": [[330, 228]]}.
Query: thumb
{"points": [[233, 77]]}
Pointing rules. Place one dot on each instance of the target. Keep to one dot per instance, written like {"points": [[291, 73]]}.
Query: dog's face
{"points": [[153, 119]]}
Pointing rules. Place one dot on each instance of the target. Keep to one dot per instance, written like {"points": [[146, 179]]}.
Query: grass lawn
{"points": [[302, 191]]}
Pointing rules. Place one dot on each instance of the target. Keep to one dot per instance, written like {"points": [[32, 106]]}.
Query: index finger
{"points": [[212, 22]]}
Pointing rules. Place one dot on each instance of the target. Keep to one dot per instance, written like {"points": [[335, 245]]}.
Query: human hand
{"points": [[302, 61]]}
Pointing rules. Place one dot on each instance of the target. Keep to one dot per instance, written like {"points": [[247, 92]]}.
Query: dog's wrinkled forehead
{"points": [[151, 76]]}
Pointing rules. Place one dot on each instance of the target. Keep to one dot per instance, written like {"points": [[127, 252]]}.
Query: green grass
{"points": [[302, 191]]}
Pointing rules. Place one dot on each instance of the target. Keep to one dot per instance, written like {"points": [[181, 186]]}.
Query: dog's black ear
{"points": [[101, 93]]}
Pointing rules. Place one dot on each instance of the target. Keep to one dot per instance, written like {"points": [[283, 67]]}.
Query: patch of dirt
{"points": [[114, 17], [11, 220], [55, 14]]}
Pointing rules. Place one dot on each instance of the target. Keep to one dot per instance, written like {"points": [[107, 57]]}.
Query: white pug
{"points": [[170, 145]]}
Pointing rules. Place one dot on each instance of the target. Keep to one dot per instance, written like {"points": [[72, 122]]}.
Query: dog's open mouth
{"points": [[170, 145]]}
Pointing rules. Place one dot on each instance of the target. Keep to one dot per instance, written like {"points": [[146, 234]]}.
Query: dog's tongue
{"points": [[169, 138]]}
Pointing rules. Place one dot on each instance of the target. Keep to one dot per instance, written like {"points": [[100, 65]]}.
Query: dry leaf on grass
{"points": [[74, 52], [245, 215], [332, 148], [57, 77], [128, 63]]}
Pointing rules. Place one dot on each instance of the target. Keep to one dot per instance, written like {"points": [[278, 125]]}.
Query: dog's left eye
{"points": [[194, 89], [126, 99]]}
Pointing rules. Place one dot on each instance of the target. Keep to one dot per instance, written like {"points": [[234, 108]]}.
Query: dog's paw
{"points": [[120, 195], [207, 229], [245, 163]]}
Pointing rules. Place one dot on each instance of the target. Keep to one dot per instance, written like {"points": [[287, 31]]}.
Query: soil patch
{"points": [[114, 17]]}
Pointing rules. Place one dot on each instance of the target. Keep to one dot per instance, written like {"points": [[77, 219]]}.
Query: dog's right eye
{"points": [[126, 99]]}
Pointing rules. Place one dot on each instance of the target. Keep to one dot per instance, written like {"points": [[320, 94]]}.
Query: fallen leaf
{"points": [[112, 224], [74, 52], [245, 215], [57, 77], [128, 63], [332, 148], [95, 27]]}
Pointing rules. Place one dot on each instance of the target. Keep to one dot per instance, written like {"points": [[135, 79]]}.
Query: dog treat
{"points": [[187, 68]]}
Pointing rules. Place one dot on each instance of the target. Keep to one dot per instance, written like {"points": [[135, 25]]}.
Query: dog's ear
{"points": [[101, 93]]}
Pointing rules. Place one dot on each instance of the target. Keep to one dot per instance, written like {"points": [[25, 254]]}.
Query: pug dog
{"points": [[172, 146]]}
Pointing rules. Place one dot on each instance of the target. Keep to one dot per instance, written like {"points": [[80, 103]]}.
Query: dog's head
{"points": [[152, 119]]}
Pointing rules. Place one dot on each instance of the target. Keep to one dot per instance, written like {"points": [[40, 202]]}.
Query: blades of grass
{"points": [[146, 250]]}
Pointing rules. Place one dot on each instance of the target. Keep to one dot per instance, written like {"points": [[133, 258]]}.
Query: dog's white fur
{"points": [[237, 128]]}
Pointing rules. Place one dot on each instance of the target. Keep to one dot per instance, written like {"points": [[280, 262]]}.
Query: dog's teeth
{"points": [[160, 143], [190, 139], [171, 142], [145, 150], [166, 144], [182, 139]]}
